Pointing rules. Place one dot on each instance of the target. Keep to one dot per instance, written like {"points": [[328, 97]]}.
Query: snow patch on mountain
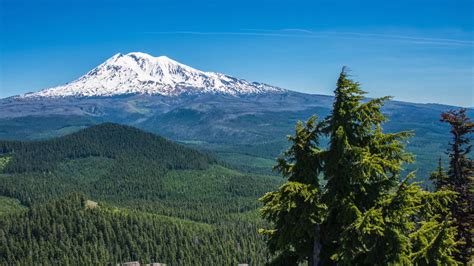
{"points": [[140, 73]]}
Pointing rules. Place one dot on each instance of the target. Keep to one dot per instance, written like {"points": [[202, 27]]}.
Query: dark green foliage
{"points": [[370, 217], [65, 232], [177, 205], [362, 163], [439, 178], [460, 179], [209, 195], [373, 218], [9, 205], [124, 143], [403, 227], [295, 209]]}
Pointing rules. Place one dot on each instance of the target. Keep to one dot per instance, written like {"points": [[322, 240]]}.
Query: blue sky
{"points": [[420, 51]]}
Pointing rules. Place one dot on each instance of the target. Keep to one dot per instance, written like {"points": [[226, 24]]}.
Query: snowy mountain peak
{"points": [[141, 73]]}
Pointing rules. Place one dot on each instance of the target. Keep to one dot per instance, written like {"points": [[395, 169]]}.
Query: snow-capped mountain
{"points": [[140, 73]]}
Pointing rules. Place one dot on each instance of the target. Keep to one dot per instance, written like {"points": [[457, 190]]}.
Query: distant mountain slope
{"points": [[140, 73], [254, 125]]}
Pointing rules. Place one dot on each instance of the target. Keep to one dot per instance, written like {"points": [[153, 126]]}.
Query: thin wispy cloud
{"points": [[305, 33], [276, 34], [412, 39], [408, 38]]}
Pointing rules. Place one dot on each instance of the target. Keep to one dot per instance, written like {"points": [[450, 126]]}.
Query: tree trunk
{"points": [[314, 259]]}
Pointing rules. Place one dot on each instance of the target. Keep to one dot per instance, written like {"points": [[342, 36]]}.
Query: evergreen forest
{"points": [[339, 195]]}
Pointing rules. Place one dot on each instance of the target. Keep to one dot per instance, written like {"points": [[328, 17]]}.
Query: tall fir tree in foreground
{"points": [[373, 218], [362, 163], [370, 216], [460, 179]]}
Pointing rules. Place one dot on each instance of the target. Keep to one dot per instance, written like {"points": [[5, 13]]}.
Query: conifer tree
{"points": [[460, 178], [439, 177], [364, 214], [295, 209], [407, 226], [373, 218], [362, 163]]}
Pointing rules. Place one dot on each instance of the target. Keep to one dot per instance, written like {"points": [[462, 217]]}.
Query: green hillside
{"points": [[165, 190], [108, 140]]}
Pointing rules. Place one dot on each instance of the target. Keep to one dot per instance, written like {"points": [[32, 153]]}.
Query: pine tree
{"points": [[407, 226], [373, 218], [362, 163], [295, 209], [363, 215], [439, 177], [460, 178]]}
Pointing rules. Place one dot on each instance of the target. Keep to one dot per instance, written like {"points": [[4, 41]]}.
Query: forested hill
{"points": [[124, 143], [157, 201], [128, 167]]}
